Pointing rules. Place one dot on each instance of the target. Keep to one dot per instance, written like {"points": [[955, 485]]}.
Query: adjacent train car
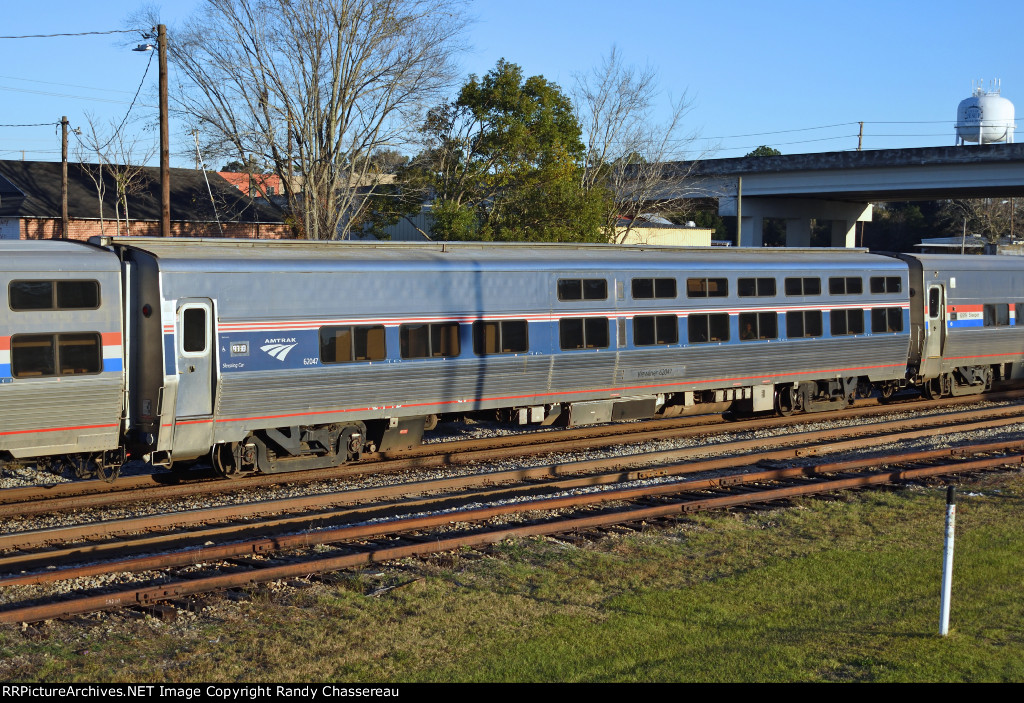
{"points": [[62, 378], [286, 355], [967, 321]]}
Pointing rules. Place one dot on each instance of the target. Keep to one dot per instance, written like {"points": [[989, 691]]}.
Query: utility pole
{"points": [[860, 137], [63, 177], [165, 149], [739, 211]]}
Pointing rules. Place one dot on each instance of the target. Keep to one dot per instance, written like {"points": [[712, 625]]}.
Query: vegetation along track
{"points": [[456, 512]]}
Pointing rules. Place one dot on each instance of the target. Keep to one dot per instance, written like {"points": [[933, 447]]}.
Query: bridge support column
{"points": [[798, 213], [798, 232], [844, 233], [752, 231]]}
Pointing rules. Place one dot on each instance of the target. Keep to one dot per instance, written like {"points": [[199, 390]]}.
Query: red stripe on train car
{"points": [[61, 429]]}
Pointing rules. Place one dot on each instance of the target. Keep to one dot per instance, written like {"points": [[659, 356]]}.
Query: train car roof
{"points": [[54, 256], [969, 262], [282, 255]]}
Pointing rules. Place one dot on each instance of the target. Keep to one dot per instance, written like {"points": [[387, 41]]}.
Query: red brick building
{"points": [[30, 204], [255, 184]]}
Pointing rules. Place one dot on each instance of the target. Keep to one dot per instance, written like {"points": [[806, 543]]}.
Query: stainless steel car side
{"points": [[241, 353], [968, 320], [62, 378], [276, 356]]}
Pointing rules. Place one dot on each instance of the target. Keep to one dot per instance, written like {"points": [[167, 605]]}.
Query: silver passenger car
{"points": [[62, 378], [282, 355], [967, 320]]}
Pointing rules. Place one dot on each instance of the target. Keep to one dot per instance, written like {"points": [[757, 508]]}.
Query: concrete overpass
{"points": [[840, 186]]}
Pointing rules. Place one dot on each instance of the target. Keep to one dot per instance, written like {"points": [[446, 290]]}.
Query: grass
{"points": [[824, 590]]}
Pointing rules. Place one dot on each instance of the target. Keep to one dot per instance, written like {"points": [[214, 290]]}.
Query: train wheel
{"points": [[82, 466], [107, 472], [222, 456], [784, 402]]}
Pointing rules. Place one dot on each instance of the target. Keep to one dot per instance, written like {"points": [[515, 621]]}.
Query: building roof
{"points": [[270, 182], [31, 189], [972, 242]]}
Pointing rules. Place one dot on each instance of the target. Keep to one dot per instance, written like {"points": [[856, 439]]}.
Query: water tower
{"points": [[986, 117]]}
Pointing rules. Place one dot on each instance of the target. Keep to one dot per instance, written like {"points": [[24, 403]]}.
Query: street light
{"points": [[165, 150]]}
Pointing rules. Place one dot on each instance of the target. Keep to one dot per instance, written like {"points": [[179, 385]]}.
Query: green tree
{"points": [[504, 162], [250, 165], [765, 150]]}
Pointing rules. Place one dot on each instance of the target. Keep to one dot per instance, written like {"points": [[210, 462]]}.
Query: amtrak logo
{"points": [[279, 348]]}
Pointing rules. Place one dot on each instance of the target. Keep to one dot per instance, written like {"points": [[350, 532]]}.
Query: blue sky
{"points": [[778, 73]]}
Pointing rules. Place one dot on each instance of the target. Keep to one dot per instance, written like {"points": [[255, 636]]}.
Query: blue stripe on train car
{"points": [[169, 368]]}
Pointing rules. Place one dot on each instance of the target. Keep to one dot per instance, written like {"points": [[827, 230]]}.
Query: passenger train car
{"points": [[275, 356]]}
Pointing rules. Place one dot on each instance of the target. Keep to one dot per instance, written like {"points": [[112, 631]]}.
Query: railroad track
{"points": [[456, 512], [81, 495]]}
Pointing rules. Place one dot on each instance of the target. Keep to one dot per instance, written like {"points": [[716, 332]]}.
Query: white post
{"points": [[947, 561]]}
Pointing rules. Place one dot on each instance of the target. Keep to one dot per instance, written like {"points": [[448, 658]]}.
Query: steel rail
{"points": [[152, 594], [80, 502], [19, 564], [812, 444], [17, 501]]}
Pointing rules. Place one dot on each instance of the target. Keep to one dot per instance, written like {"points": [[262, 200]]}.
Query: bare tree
{"points": [[315, 88], [629, 151], [87, 148], [989, 217], [117, 156], [129, 178]]}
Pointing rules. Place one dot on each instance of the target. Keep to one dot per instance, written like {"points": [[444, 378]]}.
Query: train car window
{"points": [[582, 289], [583, 333], [703, 329], [845, 285], [427, 341], [755, 287], [78, 295], [37, 355], [996, 314], [803, 286], [849, 321], [707, 287], [79, 354], [33, 355], [649, 330], [934, 300], [53, 295], [1018, 310], [193, 330], [504, 337], [758, 325], [886, 320], [803, 323], [647, 288], [339, 345], [887, 284]]}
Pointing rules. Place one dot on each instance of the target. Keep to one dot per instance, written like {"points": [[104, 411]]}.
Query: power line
{"points": [[74, 34], [830, 126], [137, 91], [37, 124], [784, 131], [66, 85], [63, 95]]}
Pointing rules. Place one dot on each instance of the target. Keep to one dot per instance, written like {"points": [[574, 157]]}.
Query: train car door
{"points": [[935, 329], [194, 350]]}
